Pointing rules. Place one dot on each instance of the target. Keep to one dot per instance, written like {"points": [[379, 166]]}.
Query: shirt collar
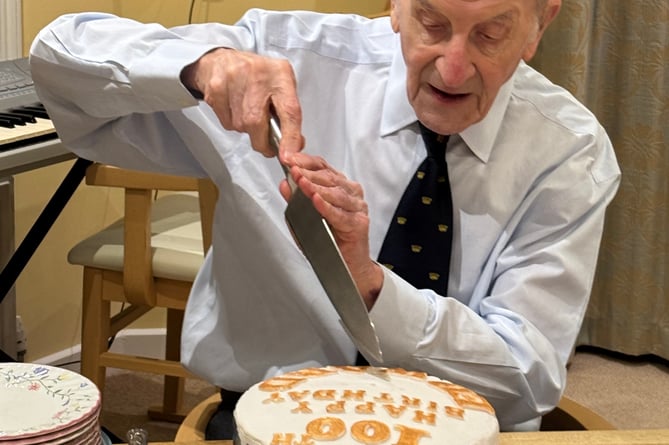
{"points": [[398, 112]]}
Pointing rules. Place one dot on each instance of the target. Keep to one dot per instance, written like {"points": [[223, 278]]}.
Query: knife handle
{"points": [[274, 140]]}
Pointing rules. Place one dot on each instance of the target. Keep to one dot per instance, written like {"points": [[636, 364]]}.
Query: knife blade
{"points": [[318, 245]]}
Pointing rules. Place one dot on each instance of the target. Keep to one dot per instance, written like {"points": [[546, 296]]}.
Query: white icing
{"points": [[301, 408]]}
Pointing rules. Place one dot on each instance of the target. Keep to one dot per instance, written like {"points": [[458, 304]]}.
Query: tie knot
{"points": [[435, 143]]}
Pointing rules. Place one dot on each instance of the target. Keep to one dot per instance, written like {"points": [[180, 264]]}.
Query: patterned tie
{"points": [[418, 244]]}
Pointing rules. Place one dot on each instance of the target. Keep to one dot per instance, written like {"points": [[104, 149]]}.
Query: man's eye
{"points": [[489, 37], [431, 26], [492, 33]]}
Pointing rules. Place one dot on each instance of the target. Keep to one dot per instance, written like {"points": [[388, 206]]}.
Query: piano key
{"points": [[36, 105], [25, 117], [18, 100], [35, 111], [6, 123], [41, 128], [13, 118]]}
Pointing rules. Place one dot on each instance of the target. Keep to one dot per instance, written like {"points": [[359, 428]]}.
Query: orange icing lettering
{"points": [[404, 372], [394, 411], [279, 384], [453, 411], [311, 372], [432, 406], [324, 394], [410, 436], [465, 397], [306, 440], [365, 408], [384, 398], [298, 395], [357, 369], [289, 439], [282, 439], [302, 407], [413, 402], [326, 428], [355, 395], [336, 408], [370, 432], [421, 417], [275, 397]]}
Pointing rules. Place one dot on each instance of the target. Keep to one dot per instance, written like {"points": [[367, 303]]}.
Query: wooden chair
{"points": [[193, 426], [572, 416], [148, 259]]}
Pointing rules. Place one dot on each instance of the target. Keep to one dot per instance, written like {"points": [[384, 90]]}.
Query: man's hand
{"points": [[341, 202], [240, 87]]}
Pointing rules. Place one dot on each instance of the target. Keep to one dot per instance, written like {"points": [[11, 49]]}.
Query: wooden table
{"points": [[614, 437]]}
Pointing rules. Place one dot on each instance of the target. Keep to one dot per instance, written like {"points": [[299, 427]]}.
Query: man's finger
{"points": [[289, 112]]}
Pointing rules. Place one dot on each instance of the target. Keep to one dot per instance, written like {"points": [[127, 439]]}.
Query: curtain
{"points": [[614, 57]]}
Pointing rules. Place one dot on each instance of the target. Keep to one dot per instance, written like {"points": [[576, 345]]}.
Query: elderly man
{"points": [[530, 170]]}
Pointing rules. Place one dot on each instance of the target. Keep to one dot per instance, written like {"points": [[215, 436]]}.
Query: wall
{"points": [[227, 11], [37, 13], [49, 289], [10, 29], [48, 292]]}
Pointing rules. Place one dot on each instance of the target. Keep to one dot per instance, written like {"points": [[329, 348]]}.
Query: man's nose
{"points": [[454, 64]]}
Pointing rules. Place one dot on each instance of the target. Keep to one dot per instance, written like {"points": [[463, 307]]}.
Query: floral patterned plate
{"points": [[70, 435], [40, 399]]}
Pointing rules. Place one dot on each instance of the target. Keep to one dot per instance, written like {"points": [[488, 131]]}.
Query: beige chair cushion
{"points": [[176, 240]]}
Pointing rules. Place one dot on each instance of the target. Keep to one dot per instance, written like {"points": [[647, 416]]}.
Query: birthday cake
{"points": [[362, 405]]}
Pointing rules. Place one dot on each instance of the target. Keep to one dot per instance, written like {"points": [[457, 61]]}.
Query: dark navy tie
{"points": [[417, 246]]}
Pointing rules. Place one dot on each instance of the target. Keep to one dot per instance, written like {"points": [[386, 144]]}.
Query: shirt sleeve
{"points": [[513, 344], [112, 85]]}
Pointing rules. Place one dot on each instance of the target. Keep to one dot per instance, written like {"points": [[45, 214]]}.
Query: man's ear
{"points": [[549, 13], [394, 15]]}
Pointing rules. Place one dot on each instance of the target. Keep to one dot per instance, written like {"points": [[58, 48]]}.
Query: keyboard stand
{"points": [[26, 146], [8, 350], [27, 248]]}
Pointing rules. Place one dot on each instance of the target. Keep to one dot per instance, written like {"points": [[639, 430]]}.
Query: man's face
{"points": [[459, 53]]}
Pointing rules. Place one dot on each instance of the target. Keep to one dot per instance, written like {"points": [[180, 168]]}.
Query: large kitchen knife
{"points": [[314, 237]]}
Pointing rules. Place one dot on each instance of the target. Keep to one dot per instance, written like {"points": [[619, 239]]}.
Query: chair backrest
{"points": [[208, 196], [138, 277]]}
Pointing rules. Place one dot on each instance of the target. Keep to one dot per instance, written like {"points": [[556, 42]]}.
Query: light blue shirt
{"points": [[530, 186]]}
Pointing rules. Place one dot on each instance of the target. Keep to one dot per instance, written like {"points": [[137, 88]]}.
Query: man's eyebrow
{"points": [[507, 17], [427, 6]]}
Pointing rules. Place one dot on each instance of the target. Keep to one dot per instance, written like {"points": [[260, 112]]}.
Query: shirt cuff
{"points": [[157, 75], [400, 315]]}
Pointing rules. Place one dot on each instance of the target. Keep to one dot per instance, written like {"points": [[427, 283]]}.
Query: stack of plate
{"points": [[43, 404]]}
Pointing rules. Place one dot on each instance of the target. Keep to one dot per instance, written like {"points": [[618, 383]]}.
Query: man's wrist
{"points": [[189, 75], [370, 287], [188, 80]]}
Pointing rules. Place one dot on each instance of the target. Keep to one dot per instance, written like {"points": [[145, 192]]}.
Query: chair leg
{"points": [[173, 387], [94, 328]]}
